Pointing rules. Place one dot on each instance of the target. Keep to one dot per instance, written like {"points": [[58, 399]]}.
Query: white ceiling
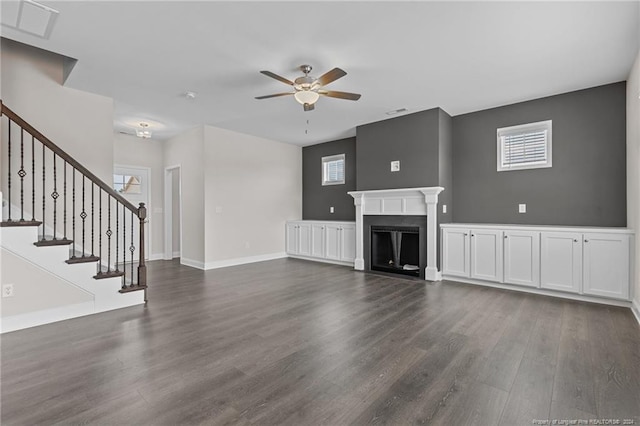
{"points": [[460, 56]]}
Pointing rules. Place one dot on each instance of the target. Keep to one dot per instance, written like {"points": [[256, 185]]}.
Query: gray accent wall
{"points": [[586, 185], [317, 199]]}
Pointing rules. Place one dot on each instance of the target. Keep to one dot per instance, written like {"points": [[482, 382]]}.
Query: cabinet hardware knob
{"points": [[575, 241], [322, 227], [465, 234], [505, 236], [473, 235], [586, 241]]}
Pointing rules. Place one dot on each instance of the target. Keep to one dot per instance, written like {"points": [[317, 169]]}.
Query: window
{"points": [[527, 146], [127, 184], [333, 170]]}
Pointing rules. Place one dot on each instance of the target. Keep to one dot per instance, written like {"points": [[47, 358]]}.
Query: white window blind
{"points": [[333, 170], [526, 146]]}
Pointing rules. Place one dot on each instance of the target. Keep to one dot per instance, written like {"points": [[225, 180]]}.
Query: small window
{"points": [[333, 170], [527, 146], [127, 184]]}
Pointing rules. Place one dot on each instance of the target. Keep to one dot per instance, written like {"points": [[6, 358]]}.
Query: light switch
{"points": [[522, 208], [395, 166], [330, 209], [218, 209], [444, 208]]}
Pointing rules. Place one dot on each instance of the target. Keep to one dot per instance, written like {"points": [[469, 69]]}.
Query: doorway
{"points": [[173, 212]]}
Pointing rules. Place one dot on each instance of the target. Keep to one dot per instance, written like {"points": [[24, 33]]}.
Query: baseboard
{"points": [[156, 256], [244, 260], [635, 308], [543, 292], [317, 259], [175, 254], [46, 316], [192, 263]]}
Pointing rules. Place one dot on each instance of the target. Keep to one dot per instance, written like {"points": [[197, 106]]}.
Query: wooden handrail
{"points": [[69, 159]]}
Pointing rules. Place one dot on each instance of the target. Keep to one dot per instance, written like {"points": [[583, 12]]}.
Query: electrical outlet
{"points": [[7, 290], [395, 166], [331, 209], [522, 208], [444, 208]]}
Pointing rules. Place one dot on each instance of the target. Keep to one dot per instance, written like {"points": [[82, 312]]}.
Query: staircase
{"points": [[60, 216]]}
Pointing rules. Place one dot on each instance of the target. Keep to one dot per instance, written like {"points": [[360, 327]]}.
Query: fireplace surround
{"points": [[400, 202]]}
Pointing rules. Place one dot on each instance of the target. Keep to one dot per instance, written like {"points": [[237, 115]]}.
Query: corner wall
{"points": [[633, 172], [252, 186]]}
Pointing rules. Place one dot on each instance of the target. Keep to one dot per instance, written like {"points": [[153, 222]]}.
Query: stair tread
{"points": [[10, 223], [82, 259], [108, 274], [129, 289], [51, 242]]}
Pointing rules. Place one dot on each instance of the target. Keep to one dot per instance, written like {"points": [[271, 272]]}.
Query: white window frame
{"points": [[325, 164], [521, 129]]}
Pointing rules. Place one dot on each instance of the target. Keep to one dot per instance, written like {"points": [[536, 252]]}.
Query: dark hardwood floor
{"points": [[302, 343]]}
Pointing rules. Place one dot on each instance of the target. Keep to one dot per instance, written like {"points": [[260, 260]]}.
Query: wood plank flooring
{"points": [[290, 342]]}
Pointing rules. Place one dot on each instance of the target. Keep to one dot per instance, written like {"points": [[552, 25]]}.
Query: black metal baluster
{"points": [[132, 248], [22, 174], [9, 173], [124, 247], [54, 195], [108, 233], [93, 219], [100, 231], [44, 192], [33, 180], [64, 198], [83, 216], [117, 225], [73, 212]]}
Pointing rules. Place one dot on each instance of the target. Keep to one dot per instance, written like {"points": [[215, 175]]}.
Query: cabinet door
{"points": [[292, 237], [332, 242], [522, 258], [348, 243], [304, 239], [486, 254], [317, 240], [606, 265], [561, 261], [455, 252]]}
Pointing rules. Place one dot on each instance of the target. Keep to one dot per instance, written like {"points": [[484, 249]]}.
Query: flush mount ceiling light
{"points": [[308, 89], [143, 131], [30, 17]]}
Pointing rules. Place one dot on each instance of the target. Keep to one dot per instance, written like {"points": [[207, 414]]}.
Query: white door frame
{"points": [[147, 175], [168, 209]]}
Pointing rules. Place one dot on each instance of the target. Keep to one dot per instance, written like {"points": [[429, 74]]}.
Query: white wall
{"points": [[175, 211], [187, 150], [252, 186], [35, 289], [137, 152], [633, 166], [80, 123]]}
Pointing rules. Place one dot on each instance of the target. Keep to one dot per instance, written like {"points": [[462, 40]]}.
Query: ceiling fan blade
{"points": [[330, 76], [308, 107], [340, 95], [277, 77], [274, 95]]}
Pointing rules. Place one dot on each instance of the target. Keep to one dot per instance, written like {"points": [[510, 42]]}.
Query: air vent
{"points": [[30, 17]]}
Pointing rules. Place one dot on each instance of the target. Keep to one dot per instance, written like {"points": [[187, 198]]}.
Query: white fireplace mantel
{"points": [[404, 201]]}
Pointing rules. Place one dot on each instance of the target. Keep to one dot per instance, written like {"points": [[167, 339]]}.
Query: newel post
{"points": [[142, 268]]}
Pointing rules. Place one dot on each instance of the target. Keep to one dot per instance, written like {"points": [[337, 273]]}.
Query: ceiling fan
{"points": [[308, 89]]}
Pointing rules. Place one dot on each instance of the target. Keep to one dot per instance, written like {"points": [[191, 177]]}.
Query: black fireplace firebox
{"points": [[396, 244]]}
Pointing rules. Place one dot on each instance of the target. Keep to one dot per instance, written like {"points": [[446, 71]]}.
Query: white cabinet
{"points": [[455, 252], [605, 270], [475, 253], [522, 258], [317, 239], [561, 261], [298, 238], [325, 241], [486, 254], [593, 262]]}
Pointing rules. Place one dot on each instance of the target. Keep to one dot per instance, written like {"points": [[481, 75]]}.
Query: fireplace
{"points": [[402, 202], [396, 244]]}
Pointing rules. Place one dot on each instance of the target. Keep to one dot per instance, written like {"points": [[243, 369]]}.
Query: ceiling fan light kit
{"points": [[308, 88]]}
